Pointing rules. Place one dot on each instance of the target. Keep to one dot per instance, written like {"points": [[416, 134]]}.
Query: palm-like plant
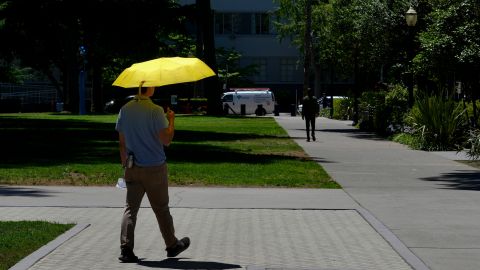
{"points": [[473, 144], [436, 122]]}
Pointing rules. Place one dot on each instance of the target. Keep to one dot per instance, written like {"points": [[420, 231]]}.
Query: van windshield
{"points": [[227, 98]]}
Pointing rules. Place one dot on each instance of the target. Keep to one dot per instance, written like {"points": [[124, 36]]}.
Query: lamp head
{"points": [[411, 17]]}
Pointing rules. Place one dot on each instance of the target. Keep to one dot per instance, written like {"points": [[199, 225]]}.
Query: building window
{"points": [[223, 23], [262, 23], [242, 23], [287, 69], [261, 64]]}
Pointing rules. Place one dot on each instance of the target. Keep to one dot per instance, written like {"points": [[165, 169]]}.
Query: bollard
{"points": [[242, 109], [293, 110]]}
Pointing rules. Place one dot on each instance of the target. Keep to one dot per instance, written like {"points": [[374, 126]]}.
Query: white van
{"points": [[259, 101]]}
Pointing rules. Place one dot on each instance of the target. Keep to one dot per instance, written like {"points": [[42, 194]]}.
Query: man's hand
{"points": [[166, 134], [170, 115]]}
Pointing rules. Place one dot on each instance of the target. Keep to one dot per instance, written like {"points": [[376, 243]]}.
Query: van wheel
{"points": [[264, 112]]}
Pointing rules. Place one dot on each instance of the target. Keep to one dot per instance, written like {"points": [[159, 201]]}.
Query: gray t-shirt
{"points": [[140, 121]]}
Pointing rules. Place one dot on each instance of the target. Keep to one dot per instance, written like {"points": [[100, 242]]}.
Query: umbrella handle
{"points": [[140, 87]]}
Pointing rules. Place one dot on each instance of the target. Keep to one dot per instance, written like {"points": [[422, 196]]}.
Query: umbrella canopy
{"points": [[163, 71]]}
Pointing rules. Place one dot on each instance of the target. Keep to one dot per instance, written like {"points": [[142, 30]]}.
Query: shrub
{"points": [[436, 122], [192, 105], [372, 111], [473, 144], [396, 106], [407, 139], [342, 109], [384, 111], [468, 105]]}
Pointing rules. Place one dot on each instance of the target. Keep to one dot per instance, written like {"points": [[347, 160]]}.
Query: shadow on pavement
{"points": [[176, 263], [322, 160], [355, 133], [461, 180], [25, 192]]}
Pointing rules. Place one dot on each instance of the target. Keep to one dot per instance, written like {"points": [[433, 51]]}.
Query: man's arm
{"points": [[122, 148], [166, 134]]}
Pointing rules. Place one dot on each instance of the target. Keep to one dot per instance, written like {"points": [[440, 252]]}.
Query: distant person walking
{"points": [[144, 129], [310, 111]]}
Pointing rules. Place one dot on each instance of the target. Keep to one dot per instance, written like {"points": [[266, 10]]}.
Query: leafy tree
{"points": [[206, 52], [359, 33], [12, 73], [350, 38], [293, 21], [42, 35], [230, 72], [451, 47], [47, 34]]}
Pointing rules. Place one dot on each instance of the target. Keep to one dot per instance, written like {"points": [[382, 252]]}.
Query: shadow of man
{"points": [[177, 263]]}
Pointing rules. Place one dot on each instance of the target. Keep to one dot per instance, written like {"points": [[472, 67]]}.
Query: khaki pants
{"points": [[153, 181]]}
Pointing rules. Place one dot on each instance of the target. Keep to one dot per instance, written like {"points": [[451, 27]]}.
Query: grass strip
{"points": [[18, 239], [49, 149]]}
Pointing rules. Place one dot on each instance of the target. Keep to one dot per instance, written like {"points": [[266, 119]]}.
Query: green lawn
{"points": [[207, 151], [20, 238]]}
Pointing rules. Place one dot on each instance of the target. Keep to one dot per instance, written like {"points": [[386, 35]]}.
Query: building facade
{"points": [[247, 26]]}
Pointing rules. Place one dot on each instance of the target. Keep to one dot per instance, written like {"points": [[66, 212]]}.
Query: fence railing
{"points": [[28, 98], [29, 93]]}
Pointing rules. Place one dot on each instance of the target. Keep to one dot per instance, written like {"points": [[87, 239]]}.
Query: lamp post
{"points": [[411, 19]]}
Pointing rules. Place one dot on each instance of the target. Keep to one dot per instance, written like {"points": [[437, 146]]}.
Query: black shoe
{"points": [[308, 139], [313, 138], [179, 247], [127, 256]]}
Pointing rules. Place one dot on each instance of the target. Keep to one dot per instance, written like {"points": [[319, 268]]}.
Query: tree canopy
{"points": [[370, 40], [47, 35], [450, 45]]}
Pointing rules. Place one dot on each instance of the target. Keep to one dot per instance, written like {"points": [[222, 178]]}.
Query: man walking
{"points": [[310, 111], [143, 130]]}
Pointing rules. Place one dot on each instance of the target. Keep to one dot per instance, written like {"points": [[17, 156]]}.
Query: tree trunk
{"points": [[307, 47], [97, 89], [356, 90], [474, 119], [318, 80], [58, 87], [206, 51], [70, 87]]}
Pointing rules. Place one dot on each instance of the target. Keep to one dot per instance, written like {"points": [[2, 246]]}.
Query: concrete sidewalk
{"points": [[431, 203], [230, 228]]}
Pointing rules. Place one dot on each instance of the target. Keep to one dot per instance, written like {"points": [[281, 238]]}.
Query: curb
{"points": [[31, 259], [415, 262]]}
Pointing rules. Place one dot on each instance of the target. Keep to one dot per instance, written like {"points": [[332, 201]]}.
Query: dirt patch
{"points": [[472, 163]]}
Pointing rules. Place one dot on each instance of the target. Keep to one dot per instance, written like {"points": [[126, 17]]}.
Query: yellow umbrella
{"points": [[163, 71]]}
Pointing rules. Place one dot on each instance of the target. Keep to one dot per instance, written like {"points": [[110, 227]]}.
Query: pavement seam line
{"points": [[40, 253]]}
